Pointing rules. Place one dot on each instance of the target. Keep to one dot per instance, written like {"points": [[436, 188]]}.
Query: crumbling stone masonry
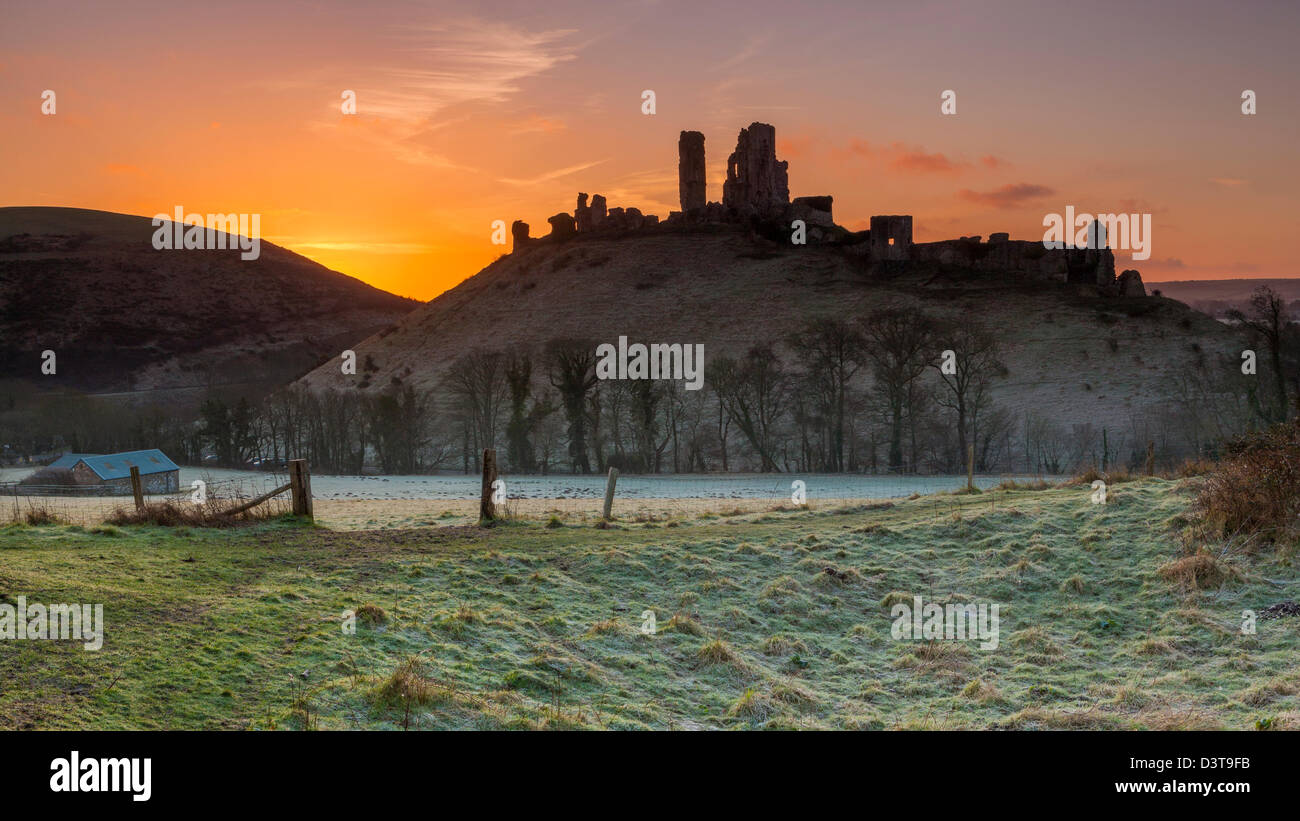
{"points": [[1130, 284], [757, 184], [757, 190], [692, 187], [891, 237], [582, 214], [562, 224], [519, 233]]}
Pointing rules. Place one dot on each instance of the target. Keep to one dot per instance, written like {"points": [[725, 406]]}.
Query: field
{"points": [[770, 619]]}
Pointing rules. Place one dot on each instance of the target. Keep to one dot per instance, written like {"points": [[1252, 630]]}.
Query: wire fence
{"points": [[641, 499], [368, 503]]}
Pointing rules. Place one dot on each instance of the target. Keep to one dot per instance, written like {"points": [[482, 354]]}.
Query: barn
{"points": [[113, 471]]}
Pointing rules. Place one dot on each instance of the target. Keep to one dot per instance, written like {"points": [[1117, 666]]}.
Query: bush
{"points": [[1256, 487], [60, 477], [184, 514], [1111, 477]]}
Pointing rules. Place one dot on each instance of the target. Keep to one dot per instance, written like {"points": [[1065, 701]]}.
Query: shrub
{"points": [[50, 476], [173, 513], [1256, 487]]}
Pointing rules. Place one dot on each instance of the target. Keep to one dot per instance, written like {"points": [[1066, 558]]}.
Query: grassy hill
{"points": [[123, 316], [778, 619], [1071, 355]]}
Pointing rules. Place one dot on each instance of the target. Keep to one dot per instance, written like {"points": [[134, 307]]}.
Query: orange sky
{"points": [[473, 112]]}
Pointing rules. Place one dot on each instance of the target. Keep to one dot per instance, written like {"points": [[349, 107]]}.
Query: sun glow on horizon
{"points": [[463, 120]]}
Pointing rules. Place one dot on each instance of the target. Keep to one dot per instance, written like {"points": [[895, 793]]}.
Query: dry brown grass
{"points": [[936, 655], [371, 614], [1194, 467], [1111, 477], [408, 684], [981, 691], [1034, 717], [1199, 571], [783, 645], [1256, 488], [183, 514], [718, 652], [600, 628], [35, 514], [682, 623]]}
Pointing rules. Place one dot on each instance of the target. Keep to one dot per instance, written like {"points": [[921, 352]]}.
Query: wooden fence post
{"points": [[1151, 458], [487, 510], [300, 487], [609, 492], [970, 467], [137, 488]]}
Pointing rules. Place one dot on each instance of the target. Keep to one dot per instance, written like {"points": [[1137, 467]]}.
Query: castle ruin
{"points": [[692, 187], [756, 194]]}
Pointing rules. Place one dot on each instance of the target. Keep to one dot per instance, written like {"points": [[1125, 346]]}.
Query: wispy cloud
{"points": [[552, 175], [475, 60], [1010, 195], [404, 103], [1227, 182], [905, 159], [753, 46], [919, 161]]}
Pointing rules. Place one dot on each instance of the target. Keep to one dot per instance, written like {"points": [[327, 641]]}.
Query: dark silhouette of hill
{"points": [[122, 316]]}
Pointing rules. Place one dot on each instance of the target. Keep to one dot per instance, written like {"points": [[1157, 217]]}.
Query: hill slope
{"points": [[1079, 358], [122, 316]]}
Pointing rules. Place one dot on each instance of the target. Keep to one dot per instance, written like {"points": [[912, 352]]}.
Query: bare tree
{"points": [[519, 448], [900, 344], [572, 366], [966, 376], [752, 393], [831, 352], [1267, 322], [478, 382]]}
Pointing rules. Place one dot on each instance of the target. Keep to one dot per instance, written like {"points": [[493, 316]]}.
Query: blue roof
{"points": [[67, 460], [118, 465]]}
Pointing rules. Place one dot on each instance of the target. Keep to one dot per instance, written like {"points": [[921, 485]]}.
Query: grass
{"points": [[771, 619]]}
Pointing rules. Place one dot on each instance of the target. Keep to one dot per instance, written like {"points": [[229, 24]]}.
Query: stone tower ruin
{"points": [[756, 182], [891, 237], [691, 185]]}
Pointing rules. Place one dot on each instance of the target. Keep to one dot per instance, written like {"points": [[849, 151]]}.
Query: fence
{"points": [[347, 504], [668, 497], [92, 505]]}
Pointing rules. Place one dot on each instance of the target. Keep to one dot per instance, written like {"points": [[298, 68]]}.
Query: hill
{"points": [[1072, 355], [122, 316]]}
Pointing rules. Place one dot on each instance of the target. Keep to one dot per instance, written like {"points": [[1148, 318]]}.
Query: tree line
{"points": [[896, 391]]}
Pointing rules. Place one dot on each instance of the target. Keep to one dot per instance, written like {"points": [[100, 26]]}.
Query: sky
{"points": [[467, 113]]}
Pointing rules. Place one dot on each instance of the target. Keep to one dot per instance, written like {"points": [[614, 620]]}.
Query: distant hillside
{"points": [[122, 316], [1071, 355], [1216, 296]]}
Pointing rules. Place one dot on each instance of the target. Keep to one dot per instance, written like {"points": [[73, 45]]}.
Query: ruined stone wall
{"points": [[891, 237], [1019, 258]]}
